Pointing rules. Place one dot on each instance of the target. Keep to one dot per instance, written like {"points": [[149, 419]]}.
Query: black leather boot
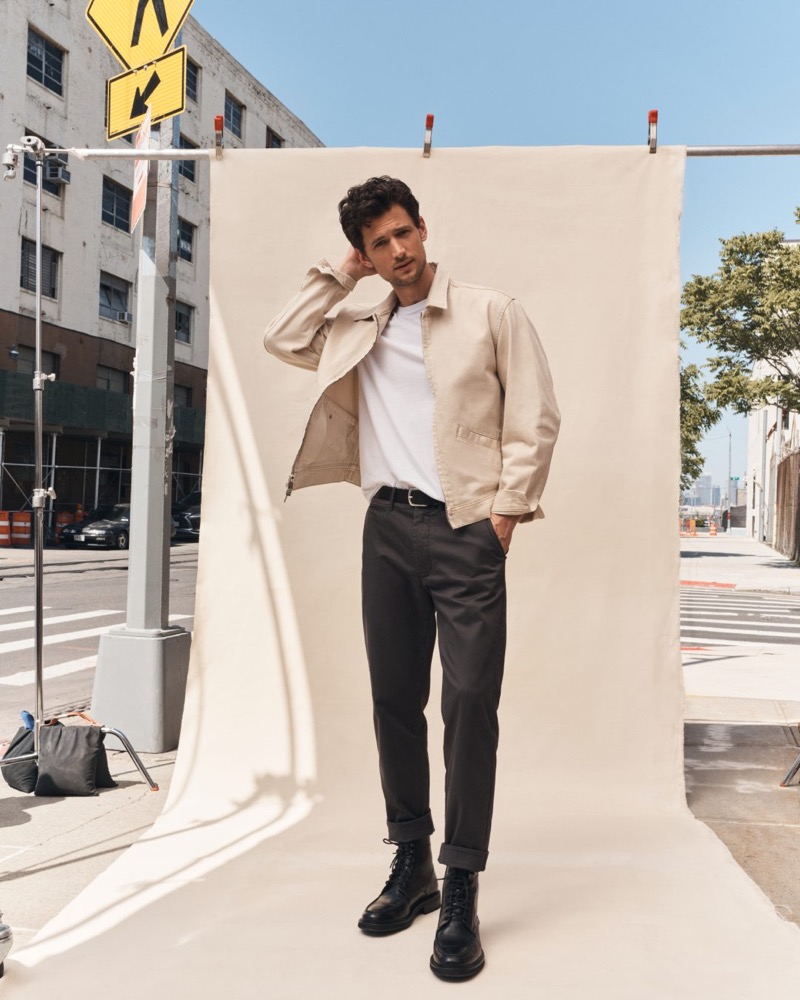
{"points": [[412, 888], [457, 952]]}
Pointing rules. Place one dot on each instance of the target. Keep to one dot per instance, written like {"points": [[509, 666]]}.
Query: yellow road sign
{"points": [[138, 31], [161, 86]]}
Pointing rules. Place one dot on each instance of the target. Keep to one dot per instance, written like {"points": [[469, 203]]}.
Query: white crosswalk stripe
{"points": [[25, 677], [56, 620], [51, 640], [725, 617]]}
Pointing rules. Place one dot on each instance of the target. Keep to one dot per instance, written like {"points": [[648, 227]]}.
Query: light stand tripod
{"points": [[36, 148]]}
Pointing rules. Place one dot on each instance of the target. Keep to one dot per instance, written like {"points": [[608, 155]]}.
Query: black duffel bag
{"points": [[72, 760], [21, 776]]}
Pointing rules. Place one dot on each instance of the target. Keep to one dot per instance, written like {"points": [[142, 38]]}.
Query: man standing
{"points": [[438, 403]]}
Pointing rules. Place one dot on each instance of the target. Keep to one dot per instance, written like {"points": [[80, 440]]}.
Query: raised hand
{"points": [[356, 265]]}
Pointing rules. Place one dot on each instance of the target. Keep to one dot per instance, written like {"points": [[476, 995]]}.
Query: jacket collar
{"points": [[437, 297]]}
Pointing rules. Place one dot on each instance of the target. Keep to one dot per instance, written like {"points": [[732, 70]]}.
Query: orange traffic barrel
{"points": [[5, 528], [21, 527], [713, 529], [61, 519]]}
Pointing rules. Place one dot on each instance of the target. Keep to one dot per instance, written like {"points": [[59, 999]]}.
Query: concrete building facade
{"points": [[52, 84], [773, 493]]}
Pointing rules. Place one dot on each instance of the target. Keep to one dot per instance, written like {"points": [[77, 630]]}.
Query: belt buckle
{"points": [[411, 502]]}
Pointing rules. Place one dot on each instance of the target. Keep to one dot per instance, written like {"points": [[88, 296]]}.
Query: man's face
{"points": [[394, 246]]}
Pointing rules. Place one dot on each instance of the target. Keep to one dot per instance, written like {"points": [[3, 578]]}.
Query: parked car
{"points": [[107, 526], [187, 514]]}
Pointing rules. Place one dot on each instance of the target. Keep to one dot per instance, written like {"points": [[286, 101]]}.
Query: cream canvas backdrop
{"points": [[600, 882]]}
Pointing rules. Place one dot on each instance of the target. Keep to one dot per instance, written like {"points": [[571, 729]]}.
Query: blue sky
{"points": [[522, 72]]}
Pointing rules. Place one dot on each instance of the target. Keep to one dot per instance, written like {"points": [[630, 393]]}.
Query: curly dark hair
{"points": [[373, 198]]}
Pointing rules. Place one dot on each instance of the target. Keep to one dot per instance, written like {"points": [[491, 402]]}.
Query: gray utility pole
{"points": [[142, 666]]}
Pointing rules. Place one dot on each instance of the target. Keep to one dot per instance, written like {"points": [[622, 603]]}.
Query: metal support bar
{"points": [[5, 761], [52, 477], [37, 148], [97, 472], [132, 754], [791, 773], [210, 154], [139, 154], [743, 150], [14, 149]]}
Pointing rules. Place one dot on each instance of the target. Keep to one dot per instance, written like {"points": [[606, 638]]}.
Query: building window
{"points": [[182, 396], [112, 379], [274, 141], [115, 297], [184, 320], [186, 168], [27, 271], [26, 361], [45, 62], [192, 80], [186, 233], [55, 186], [234, 113], [117, 204]]}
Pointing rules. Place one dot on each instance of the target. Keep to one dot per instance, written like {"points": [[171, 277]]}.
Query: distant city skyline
{"points": [[706, 492], [714, 448]]}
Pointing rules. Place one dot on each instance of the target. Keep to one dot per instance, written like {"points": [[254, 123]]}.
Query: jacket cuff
{"points": [[513, 502], [323, 267]]}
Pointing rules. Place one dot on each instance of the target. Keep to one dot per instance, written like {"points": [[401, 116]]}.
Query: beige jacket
{"points": [[495, 415]]}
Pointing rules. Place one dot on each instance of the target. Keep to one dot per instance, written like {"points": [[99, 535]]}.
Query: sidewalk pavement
{"points": [[754, 682], [51, 848], [742, 707], [741, 732]]}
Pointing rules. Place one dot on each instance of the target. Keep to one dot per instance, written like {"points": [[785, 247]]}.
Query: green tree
{"points": [[748, 312], [697, 415]]}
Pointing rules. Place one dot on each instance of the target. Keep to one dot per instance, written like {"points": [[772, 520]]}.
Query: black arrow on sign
{"points": [[142, 96], [161, 16]]}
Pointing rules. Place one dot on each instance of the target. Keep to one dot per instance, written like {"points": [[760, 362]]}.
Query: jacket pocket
{"points": [[487, 439]]}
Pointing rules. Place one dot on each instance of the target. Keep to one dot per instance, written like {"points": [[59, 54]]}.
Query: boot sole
{"points": [[425, 905], [456, 972]]}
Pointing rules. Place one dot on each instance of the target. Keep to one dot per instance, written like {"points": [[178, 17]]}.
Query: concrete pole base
{"points": [[140, 685]]}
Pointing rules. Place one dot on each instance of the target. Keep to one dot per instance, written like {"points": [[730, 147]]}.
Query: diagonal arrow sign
{"points": [[159, 88], [161, 16], [141, 97]]}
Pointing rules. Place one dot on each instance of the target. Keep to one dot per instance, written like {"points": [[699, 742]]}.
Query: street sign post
{"points": [[159, 86], [138, 31], [141, 667]]}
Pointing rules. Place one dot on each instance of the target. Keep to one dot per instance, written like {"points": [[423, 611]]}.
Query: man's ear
{"points": [[423, 229], [363, 260]]}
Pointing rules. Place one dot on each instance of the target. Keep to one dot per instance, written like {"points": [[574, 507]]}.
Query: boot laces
{"points": [[402, 865], [455, 901]]}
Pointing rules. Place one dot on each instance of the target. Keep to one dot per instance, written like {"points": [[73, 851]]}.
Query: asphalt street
{"points": [[84, 595], [725, 617]]}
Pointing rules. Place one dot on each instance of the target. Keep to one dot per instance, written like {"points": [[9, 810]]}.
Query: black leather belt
{"points": [[414, 498]]}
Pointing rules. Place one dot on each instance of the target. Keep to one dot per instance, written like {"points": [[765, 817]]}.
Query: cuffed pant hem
{"points": [[411, 829], [463, 857]]}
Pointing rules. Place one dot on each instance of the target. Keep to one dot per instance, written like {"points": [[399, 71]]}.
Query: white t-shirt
{"points": [[395, 410]]}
